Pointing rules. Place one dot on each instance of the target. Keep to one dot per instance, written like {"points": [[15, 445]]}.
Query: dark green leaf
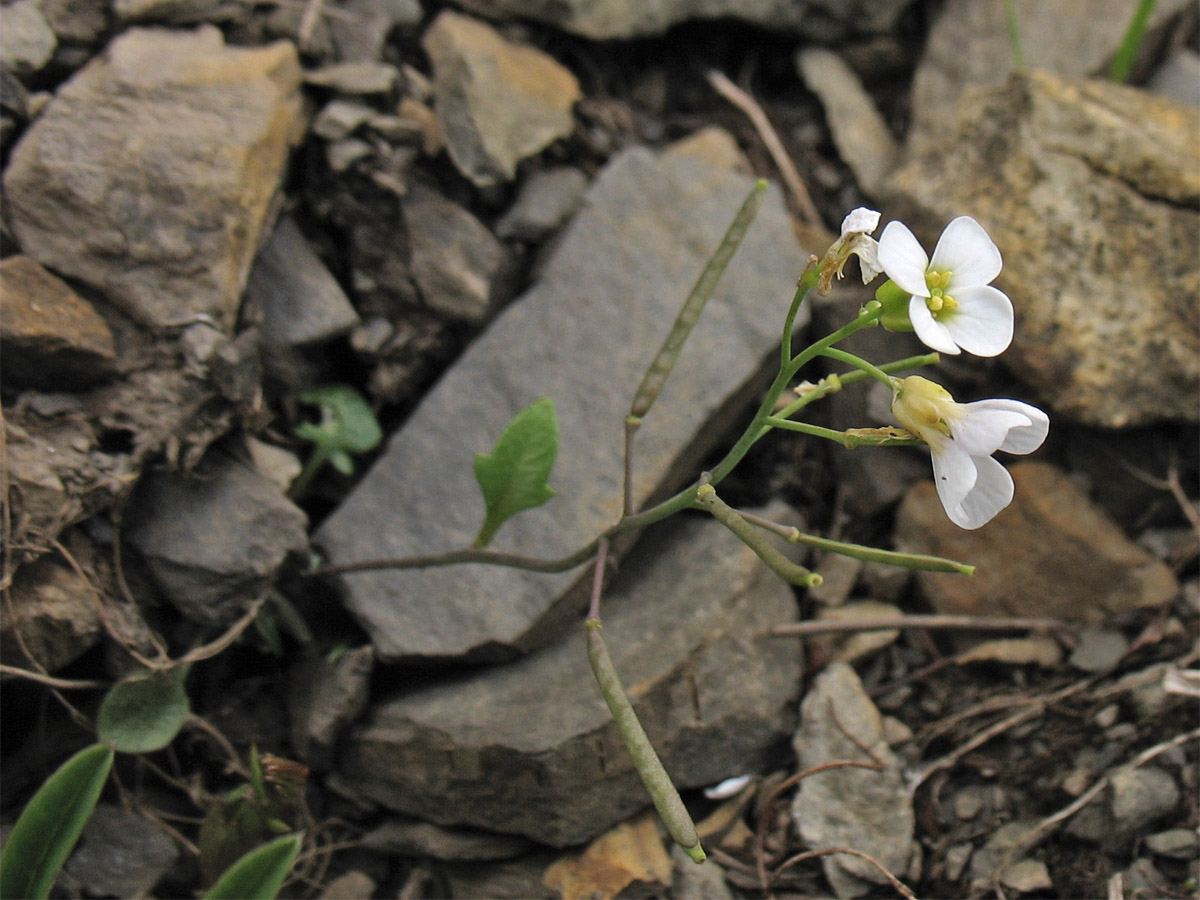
{"points": [[260, 873], [144, 711], [42, 839], [513, 476]]}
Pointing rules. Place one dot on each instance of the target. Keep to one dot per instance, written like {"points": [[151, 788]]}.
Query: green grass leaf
{"points": [[47, 830], [144, 711], [513, 476], [260, 873]]}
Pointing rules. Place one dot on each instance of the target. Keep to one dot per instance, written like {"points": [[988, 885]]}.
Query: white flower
{"points": [[962, 437], [952, 304], [854, 240]]}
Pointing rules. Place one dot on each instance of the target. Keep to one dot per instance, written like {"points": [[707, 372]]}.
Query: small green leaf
{"points": [[144, 711], [341, 461], [347, 420], [42, 839], [513, 476], [260, 873]]}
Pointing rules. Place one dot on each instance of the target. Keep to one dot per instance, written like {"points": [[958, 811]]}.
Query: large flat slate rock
{"points": [[583, 336], [530, 748]]}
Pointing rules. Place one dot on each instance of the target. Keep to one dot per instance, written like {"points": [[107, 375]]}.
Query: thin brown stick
{"points": [[748, 105], [65, 684], [940, 622], [231, 634], [900, 887], [1048, 824]]}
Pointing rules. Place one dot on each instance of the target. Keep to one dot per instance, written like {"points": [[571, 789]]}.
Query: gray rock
{"points": [[1098, 650], [461, 270], [52, 612], [363, 31], [1175, 843], [862, 137], [530, 747], [582, 336], [1141, 796], [325, 697], [519, 879], [301, 303], [50, 337], [361, 77], [215, 539], [986, 859], [138, 180], [1090, 190], [1053, 553], [1178, 78], [545, 201], [338, 118], [870, 811], [607, 19], [497, 102], [120, 854], [693, 882], [969, 47], [412, 838], [27, 41]]}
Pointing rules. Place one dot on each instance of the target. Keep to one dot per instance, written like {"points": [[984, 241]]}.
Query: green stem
{"points": [[847, 440], [808, 280], [649, 767], [859, 363], [318, 458], [789, 571], [1126, 54], [858, 551], [832, 383]]}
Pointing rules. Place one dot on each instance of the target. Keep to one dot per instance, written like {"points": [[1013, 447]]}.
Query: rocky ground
{"points": [[211, 209]]}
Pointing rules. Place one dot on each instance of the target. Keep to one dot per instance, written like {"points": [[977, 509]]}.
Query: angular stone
{"points": [[530, 747], [120, 854], [1090, 189], [411, 838], [1073, 40], [52, 615], [870, 811], [300, 301], [460, 268], [361, 77], [497, 102], [582, 336], [27, 41], [862, 137], [325, 697], [1051, 553], [546, 200], [50, 336], [139, 179], [215, 539], [607, 19], [1139, 797]]}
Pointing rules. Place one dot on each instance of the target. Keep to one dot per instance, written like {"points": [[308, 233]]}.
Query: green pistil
{"points": [[939, 301]]}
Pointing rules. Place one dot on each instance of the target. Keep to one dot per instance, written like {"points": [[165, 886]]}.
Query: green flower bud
{"points": [[895, 306]]}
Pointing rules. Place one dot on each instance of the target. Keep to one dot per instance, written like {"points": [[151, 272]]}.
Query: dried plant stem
{"points": [[747, 104], [896, 883], [940, 622]]}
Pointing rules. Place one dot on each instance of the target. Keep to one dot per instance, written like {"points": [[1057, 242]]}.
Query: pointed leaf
{"points": [[42, 839], [513, 476], [144, 711], [260, 873]]}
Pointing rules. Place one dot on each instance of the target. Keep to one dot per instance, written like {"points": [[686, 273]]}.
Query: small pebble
{"points": [[1176, 843]]}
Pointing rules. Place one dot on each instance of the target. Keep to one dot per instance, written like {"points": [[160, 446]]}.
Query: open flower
{"points": [[962, 437], [855, 240], [952, 305]]}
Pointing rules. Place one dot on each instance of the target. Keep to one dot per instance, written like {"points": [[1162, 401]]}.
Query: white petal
{"points": [[993, 490], [867, 249], [982, 323], [967, 253], [1023, 438], [860, 221], [933, 334], [953, 474], [984, 429], [903, 259]]}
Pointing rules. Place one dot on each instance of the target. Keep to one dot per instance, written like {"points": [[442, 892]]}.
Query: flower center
{"points": [[938, 301]]}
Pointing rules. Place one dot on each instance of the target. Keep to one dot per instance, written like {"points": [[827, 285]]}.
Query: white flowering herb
{"points": [[952, 304], [962, 437]]}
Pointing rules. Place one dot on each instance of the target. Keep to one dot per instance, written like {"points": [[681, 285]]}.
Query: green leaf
{"points": [[513, 476], [260, 873], [144, 711], [347, 420], [42, 839]]}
